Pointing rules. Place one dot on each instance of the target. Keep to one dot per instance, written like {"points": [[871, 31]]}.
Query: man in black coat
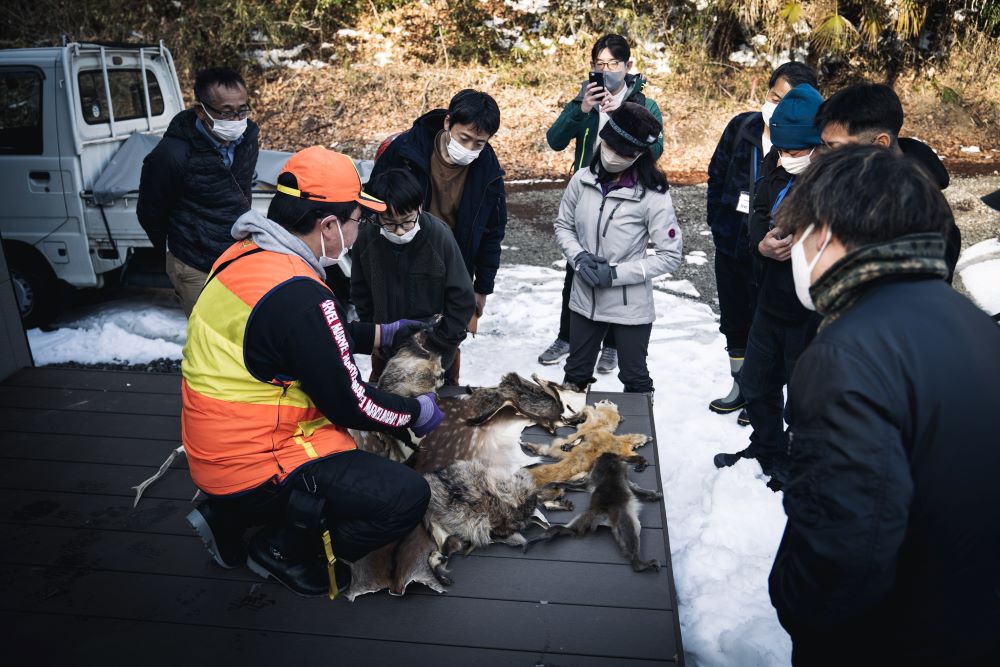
{"points": [[890, 553], [197, 181], [871, 113], [448, 150], [737, 165]]}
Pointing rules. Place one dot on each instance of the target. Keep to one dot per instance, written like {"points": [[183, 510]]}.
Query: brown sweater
{"points": [[447, 183]]}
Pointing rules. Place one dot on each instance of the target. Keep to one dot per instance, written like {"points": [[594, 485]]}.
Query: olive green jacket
{"points": [[574, 124]]}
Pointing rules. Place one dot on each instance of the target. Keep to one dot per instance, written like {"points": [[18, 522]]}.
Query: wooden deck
{"points": [[87, 579]]}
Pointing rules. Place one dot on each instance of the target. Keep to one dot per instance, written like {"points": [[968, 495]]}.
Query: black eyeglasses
{"points": [[239, 114], [406, 225]]}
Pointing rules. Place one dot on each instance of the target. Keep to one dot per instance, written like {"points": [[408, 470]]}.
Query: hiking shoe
{"points": [[608, 361], [558, 351], [743, 419], [302, 573], [223, 539]]}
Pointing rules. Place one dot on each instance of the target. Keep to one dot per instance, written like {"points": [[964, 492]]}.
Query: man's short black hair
{"points": [[476, 108], [226, 77], [617, 44], [866, 195], [399, 189], [795, 73], [301, 215], [863, 107]]}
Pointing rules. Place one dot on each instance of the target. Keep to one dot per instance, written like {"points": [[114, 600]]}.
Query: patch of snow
{"points": [[696, 257], [970, 149], [678, 286], [979, 267]]}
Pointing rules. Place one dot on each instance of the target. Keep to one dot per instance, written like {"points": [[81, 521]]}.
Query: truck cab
{"points": [[64, 112]]}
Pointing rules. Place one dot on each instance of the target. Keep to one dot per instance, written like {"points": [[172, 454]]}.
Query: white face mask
{"points": [[459, 154], [802, 270], [392, 237], [614, 162], [796, 165], [767, 110], [324, 260], [227, 130]]}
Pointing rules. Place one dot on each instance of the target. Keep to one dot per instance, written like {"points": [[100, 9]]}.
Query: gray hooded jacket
{"points": [[269, 235], [618, 227]]}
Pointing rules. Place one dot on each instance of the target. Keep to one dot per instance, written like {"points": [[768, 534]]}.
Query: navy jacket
{"points": [[187, 195], [729, 173], [925, 155], [891, 553], [482, 213]]}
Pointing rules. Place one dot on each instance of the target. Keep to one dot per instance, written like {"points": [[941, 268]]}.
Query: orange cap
{"points": [[325, 176]]}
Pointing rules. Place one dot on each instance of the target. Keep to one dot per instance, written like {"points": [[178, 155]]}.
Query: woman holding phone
{"points": [[610, 213]]}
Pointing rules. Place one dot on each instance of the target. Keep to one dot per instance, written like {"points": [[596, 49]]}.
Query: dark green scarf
{"points": [[844, 282]]}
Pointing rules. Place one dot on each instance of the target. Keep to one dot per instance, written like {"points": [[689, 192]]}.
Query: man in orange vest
{"points": [[270, 388]]}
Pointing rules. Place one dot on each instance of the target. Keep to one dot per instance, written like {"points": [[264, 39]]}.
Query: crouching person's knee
{"points": [[412, 497]]}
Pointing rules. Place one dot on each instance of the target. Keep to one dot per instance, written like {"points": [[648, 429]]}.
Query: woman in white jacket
{"points": [[609, 215]]}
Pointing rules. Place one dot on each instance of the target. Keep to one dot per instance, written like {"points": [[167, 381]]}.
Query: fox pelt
{"points": [[614, 502], [580, 453]]}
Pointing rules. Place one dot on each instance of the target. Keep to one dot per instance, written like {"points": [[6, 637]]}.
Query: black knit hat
{"points": [[631, 129], [992, 200]]}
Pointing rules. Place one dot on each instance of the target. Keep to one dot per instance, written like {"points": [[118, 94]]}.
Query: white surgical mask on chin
{"points": [[802, 270], [392, 237], [796, 165], [614, 162], [459, 154], [326, 261], [227, 130], [767, 110]]}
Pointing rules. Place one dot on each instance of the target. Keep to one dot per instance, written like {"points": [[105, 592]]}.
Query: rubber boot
{"points": [[734, 399]]}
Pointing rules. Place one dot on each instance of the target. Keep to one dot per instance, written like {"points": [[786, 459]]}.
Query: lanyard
{"points": [[781, 196]]}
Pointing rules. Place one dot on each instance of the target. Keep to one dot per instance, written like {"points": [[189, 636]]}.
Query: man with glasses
{"points": [[197, 180], [582, 119], [407, 265]]}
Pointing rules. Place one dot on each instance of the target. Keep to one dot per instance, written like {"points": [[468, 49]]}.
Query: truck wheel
{"points": [[35, 288]]}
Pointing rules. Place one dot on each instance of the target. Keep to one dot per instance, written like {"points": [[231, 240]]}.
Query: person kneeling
{"points": [[409, 265], [270, 388]]}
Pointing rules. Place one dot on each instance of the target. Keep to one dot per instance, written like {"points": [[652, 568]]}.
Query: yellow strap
{"points": [[288, 191], [330, 561]]}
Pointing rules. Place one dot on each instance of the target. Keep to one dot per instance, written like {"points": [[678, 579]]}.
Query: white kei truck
{"points": [[76, 122]]}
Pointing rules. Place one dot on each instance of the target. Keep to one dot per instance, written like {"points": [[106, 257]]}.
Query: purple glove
{"points": [[430, 415], [401, 328]]}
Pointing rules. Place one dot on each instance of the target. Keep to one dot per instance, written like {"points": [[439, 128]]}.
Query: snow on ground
{"points": [[724, 525], [979, 267]]}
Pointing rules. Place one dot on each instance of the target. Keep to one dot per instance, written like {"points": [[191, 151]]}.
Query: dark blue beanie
{"points": [[793, 123]]}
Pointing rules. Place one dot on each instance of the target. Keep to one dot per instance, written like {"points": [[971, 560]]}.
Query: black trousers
{"points": [[737, 298], [773, 348], [369, 500], [564, 319], [585, 346]]}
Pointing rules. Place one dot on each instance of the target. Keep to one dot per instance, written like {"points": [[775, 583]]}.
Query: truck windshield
{"points": [[126, 95]]}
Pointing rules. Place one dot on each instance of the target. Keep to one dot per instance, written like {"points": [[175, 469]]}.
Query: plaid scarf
{"points": [[844, 282]]}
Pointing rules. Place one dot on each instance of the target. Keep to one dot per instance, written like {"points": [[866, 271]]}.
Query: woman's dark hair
{"points": [[863, 107], [399, 189], [646, 171], [866, 194], [617, 44], [795, 73], [301, 215], [226, 77], [476, 108]]}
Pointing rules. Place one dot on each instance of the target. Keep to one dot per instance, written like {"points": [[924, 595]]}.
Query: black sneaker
{"points": [[743, 419], [608, 361], [556, 352], [305, 575], [224, 542]]}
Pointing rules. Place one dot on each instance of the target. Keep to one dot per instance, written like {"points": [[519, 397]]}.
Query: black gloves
{"points": [[593, 270]]}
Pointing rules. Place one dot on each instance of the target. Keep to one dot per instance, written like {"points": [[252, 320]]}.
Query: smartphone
{"points": [[598, 78]]}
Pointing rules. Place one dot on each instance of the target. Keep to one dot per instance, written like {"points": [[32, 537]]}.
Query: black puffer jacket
{"points": [[891, 553], [925, 155], [187, 195], [423, 278], [482, 213]]}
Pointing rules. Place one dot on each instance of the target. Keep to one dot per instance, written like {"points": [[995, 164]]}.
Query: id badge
{"points": [[743, 205]]}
